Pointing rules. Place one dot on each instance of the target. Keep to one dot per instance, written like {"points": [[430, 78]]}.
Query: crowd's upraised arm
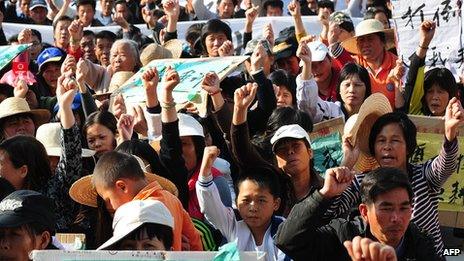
{"points": [[299, 142]]}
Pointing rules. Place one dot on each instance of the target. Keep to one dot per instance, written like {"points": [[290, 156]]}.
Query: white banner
{"points": [[312, 26], [446, 46]]}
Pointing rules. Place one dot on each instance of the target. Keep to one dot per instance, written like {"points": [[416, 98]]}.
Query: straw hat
{"points": [[372, 108], [170, 49], [49, 135], [365, 27], [83, 191], [14, 106], [358, 127], [117, 80]]}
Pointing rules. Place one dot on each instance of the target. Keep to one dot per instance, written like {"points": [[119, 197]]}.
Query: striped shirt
{"points": [[426, 180]]}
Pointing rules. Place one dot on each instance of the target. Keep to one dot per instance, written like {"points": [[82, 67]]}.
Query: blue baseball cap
{"points": [[38, 3], [51, 54], [76, 104]]}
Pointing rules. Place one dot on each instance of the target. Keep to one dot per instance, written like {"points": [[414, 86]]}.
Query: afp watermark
{"points": [[452, 252]]}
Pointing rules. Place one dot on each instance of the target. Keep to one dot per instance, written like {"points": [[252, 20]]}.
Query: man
{"points": [[385, 214], [27, 223], [86, 13], [273, 7], [104, 16], [225, 10], [285, 51], [88, 46], [103, 42], [38, 12]]}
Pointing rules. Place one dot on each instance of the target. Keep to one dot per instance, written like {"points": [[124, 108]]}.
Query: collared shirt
{"points": [[379, 78]]}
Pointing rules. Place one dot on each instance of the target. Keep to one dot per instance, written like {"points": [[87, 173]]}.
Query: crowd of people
{"points": [[161, 176]]}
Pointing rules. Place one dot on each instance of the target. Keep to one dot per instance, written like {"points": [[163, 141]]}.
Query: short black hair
{"points": [[283, 78], [264, 176], [214, 26], [443, 78], [273, 3], [59, 19], [86, 2], [383, 180], [13, 39], [104, 118], [161, 232], [88, 33], [234, 2], [349, 70], [116, 165], [37, 34], [406, 125], [105, 34], [326, 4]]}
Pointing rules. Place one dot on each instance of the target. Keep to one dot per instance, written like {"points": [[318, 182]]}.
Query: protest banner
{"points": [[61, 255], [191, 73], [326, 143], [429, 143], [446, 46], [311, 23], [9, 52]]}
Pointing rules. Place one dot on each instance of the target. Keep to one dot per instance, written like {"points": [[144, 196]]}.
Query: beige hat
{"points": [[372, 108], [14, 106], [365, 27], [170, 49], [49, 135], [117, 80]]}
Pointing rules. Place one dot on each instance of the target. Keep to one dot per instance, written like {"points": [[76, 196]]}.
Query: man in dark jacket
{"points": [[385, 217]]}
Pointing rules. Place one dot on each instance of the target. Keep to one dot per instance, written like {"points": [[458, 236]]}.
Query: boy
{"points": [[118, 179], [258, 199], [141, 225]]}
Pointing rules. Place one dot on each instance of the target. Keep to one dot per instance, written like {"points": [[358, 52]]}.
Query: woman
{"points": [[428, 93], [353, 88], [100, 131], [49, 61], [392, 141], [284, 88]]}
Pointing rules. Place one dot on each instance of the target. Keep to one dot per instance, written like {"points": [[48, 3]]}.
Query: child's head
{"points": [[118, 178], [141, 225], [100, 131], [439, 87], [258, 195]]}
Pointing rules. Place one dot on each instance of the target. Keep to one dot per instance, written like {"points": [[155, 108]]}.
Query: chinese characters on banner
{"points": [[446, 46]]}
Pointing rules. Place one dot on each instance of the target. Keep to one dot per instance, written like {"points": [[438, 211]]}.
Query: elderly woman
{"points": [[124, 57], [392, 141]]}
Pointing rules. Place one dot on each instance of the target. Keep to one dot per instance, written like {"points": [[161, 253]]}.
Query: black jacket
{"points": [[306, 236]]}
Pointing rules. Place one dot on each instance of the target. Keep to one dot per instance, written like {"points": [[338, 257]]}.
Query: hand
{"points": [[251, 14], [163, 20], [210, 154], [397, 73], [426, 32], [350, 153], [191, 108], [76, 30], [333, 35], [257, 57], [324, 17], [25, 36], [20, 89], [66, 90], [268, 34], [367, 250], [162, 34], [294, 8], [150, 79], [304, 53], [454, 118], [149, 18], [119, 19], [171, 79], [211, 83], [140, 123], [171, 8], [82, 69], [226, 49], [126, 126], [69, 64], [245, 95], [119, 106], [336, 181]]}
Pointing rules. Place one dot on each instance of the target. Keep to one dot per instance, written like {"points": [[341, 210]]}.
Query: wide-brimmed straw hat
{"points": [[14, 106], [83, 192], [49, 135], [117, 80], [365, 27], [358, 127], [170, 49]]}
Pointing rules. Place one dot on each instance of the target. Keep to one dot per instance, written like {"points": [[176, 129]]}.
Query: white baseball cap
{"points": [[318, 51], [134, 214], [289, 131], [188, 126]]}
